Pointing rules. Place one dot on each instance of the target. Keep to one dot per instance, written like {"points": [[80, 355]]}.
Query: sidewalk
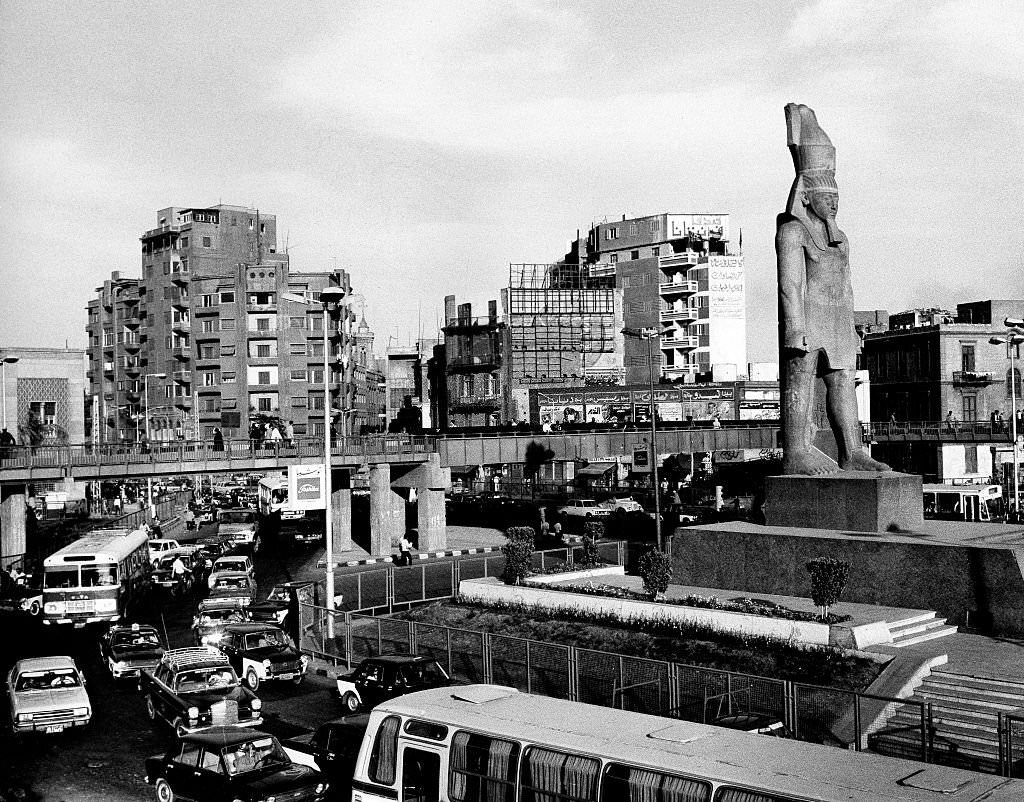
{"points": [[461, 540]]}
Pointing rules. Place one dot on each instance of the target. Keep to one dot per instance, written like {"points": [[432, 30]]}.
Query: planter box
{"points": [[492, 589], [576, 576]]}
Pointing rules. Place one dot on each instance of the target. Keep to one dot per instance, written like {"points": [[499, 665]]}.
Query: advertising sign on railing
{"points": [[307, 487]]}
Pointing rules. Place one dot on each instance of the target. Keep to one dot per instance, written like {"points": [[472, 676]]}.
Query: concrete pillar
{"points": [[387, 512], [341, 512], [431, 520], [12, 524]]}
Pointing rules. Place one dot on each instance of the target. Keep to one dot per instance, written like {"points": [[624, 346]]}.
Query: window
{"points": [[634, 784], [316, 323], [482, 769], [736, 795], [967, 363], [550, 776], [189, 755], [209, 378], [383, 758], [227, 377], [611, 233], [296, 322], [316, 375], [316, 349], [207, 301], [298, 401], [184, 242], [262, 324], [970, 407], [206, 242], [316, 401], [263, 377], [970, 459], [656, 251], [297, 375], [227, 324], [263, 404], [634, 255], [613, 258], [227, 350], [227, 297], [296, 348], [210, 325], [44, 411], [263, 350], [167, 268]]}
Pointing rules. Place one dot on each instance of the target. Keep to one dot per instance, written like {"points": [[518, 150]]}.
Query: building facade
{"points": [[218, 333], [473, 368], [44, 399], [407, 383]]}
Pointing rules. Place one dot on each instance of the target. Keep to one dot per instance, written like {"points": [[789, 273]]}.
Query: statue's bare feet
{"points": [[860, 461], [808, 463]]}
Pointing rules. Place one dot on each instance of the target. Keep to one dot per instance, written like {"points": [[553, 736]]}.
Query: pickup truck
{"points": [[196, 688], [332, 748]]}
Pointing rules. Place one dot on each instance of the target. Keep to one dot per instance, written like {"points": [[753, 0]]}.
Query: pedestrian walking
{"points": [[289, 434], [558, 529], [190, 519], [218, 439], [405, 547]]}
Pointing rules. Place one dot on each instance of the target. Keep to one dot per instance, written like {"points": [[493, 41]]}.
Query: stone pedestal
{"points": [[856, 501], [430, 515], [12, 525], [387, 512]]}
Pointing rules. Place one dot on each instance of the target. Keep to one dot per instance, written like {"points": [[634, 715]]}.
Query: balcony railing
{"points": [[677, 287], [476, 402], [679, 260], [477, 361], [675, 371], [686, 313], [182, 353], [679, 342], [182, 325], [182, 376], [966, 377]]}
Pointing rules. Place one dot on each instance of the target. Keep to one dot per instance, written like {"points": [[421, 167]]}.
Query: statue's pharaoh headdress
{"points": [[814, 158]]}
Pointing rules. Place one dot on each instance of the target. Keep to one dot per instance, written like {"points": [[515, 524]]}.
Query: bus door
{"points": [[421, 775], [972, 507]]}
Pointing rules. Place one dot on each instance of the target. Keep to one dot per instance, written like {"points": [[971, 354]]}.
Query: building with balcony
{"points": [[44, 395], [407, 383], [471, 367], [931, 363], [210, 324]]}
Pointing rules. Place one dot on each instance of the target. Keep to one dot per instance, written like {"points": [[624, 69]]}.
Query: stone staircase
{"points": [[965, 721], [918, 628]]}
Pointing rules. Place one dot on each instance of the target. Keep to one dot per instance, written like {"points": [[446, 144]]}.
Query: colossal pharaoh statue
{"points": [[817, 338]]}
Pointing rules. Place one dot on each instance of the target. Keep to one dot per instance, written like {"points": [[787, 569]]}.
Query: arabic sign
{"points": [[306, 487]]}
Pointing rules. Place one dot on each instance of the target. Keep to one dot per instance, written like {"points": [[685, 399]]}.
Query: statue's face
{"points": [[824, 204]]}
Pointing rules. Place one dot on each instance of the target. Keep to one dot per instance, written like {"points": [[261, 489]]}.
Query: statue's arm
{"points": [[789, 249]]}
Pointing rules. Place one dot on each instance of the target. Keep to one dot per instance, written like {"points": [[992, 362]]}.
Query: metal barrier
{"points": [[1011, 743]]}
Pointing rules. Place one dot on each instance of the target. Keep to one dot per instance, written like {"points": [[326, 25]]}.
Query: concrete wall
{"points": [[887, 570]]}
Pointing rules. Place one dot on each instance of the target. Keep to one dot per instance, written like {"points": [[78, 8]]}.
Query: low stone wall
{"points": [[490, 590], [887, 569], [573, 576]]}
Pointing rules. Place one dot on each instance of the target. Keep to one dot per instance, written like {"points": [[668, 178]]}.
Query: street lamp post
{"points": [[149, 480], [649, 334], [7, 360], [329, 297], [1012, 340]]}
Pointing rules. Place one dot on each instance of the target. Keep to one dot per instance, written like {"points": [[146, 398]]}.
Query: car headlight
{"points": [[267, 664], [320, 788], [257, 704], [270, 799], [23, 717], [53, 607], [120, 665], [80, 712], [193, 712]]}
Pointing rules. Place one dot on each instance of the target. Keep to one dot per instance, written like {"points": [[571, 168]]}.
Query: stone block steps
{"points": [[918, 628], [965, 720]]}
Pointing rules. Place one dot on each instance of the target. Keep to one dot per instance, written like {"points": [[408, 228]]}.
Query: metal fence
{"points": [[1011, 744]]}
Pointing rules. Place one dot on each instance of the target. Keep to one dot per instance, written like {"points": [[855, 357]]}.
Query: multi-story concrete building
{"points": [[44, 399], [472, 368], [407, 385], [210, 332], [931, 364]]}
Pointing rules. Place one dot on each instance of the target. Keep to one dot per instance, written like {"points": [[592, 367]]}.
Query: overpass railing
{"points": [[966, 431], [179, 451]]}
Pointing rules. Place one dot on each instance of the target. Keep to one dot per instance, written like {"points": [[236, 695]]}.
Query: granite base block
{"points": [[857, 501]]}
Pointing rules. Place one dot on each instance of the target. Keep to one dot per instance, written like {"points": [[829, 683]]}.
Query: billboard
{"points": [[307, 488]]}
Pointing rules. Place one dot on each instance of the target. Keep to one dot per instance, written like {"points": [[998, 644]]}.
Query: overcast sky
{"points": [[424, 146]]}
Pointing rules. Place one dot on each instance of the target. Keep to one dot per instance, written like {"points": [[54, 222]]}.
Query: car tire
{"points": [[164, 792], [351, 702], [35, 608], [151, 708], [297, 679], [252, 679]]}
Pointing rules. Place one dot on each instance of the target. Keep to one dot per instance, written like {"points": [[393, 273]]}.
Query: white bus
{"points": [[486, 743], [273, 497], [963, 502], [95, 578]]}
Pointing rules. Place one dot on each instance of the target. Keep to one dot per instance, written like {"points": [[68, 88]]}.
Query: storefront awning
{"points": [[596, 469], [463, 470]]}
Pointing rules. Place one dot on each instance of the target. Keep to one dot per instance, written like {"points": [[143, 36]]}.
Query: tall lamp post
{"points": [[7, 360], [149, 480], [330, 297], [650, 334], [1012, 340]]}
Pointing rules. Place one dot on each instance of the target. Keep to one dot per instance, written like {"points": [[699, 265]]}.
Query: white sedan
{"points": [[585, 508]]}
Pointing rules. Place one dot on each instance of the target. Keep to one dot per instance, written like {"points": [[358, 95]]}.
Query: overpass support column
{"points": [[341, 512], [12, 524], [431, 520], [387, 512]]}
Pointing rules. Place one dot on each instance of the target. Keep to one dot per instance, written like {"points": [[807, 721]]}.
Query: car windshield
{"points": [[236, 517], [253, 755], [45, 680], [220, 616], [230, 565], [263, 640], [135, 640], [202, 679], [279, 594], [425, 673]]}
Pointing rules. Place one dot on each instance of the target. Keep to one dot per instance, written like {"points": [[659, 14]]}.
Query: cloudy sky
{"points": [[424, 146]]}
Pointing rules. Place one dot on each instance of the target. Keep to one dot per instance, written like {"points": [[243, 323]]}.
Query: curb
{"points": [[570, 540]]}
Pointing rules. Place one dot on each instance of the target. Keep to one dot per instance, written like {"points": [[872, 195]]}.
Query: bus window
{"points": [[385, 752], [736, 795], [482, 769], [421, 774], [61, 577], [550, 775], [628, 783], [98, 576]]}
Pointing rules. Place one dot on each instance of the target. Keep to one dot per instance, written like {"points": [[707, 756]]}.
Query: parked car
{"points": [[584, 508], [126, 649], [47, 694], [262, 652], [332, 748], [196, 688], [232, 563], [623, 505], [239, 524], [158, 545], [377, 679], [212, 616], [232, 764], [233, 585], [274, 608]]}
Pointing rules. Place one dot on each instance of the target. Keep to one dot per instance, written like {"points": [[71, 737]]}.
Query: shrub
{"points": [[828, 581], [656, 571], [592, 530], [517, 553]]}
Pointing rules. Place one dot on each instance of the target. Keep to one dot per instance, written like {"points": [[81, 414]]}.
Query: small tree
{"points": [[828, 581], [592, 530], [517, 553], [656, 571], [536, 454]]}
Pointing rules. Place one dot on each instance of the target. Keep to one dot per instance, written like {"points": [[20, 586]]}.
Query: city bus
{"points": [[963, 502], [95, 578], [487, 743]]}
